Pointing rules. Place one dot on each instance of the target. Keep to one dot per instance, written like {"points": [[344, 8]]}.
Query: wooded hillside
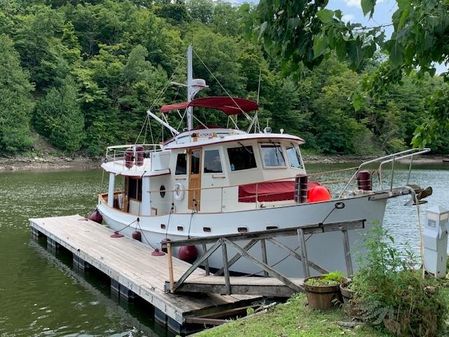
{"points": [[83, 73]]}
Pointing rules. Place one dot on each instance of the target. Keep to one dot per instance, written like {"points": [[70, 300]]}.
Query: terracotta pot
{"points": [[321, 297]]}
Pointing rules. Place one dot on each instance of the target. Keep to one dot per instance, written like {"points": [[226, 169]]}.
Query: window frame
{"points": [[298, 154], [255, 167], [186, 164], [272, 144], [219, 157]]}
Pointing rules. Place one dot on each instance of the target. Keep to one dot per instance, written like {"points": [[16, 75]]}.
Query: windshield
{"points": [[294, 158], [272, 155]]}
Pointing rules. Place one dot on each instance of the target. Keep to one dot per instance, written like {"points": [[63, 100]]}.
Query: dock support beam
{"points": [[35, 234], [121, 291], [52, 245], [79, 264], [160, 317]]}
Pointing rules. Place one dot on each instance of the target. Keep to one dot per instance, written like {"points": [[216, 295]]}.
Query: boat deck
{"points": [[130, 263]]}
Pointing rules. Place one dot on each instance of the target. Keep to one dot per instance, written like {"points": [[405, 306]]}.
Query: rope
{"points": [[156, 100], [137, 219], [221, 86], [143, 233], [355, 168]]}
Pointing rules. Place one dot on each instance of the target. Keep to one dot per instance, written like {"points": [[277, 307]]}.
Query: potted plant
{"points": [[322, 291]]}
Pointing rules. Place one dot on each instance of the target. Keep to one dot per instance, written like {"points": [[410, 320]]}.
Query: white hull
{"points": [[326, 250]]}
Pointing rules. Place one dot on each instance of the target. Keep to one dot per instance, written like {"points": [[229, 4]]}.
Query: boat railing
{"points": [[393, 158], [118, 152]]}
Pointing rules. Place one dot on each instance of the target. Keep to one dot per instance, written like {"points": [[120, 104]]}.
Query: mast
{"points": [[190, 91]]}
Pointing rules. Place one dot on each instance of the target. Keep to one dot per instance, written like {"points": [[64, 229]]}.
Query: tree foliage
{"points": [[15, 101], [97, 66], [306, 32], [58, 116]]}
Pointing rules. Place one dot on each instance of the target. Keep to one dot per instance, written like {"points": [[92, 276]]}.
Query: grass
{"points": [[293, 318]]}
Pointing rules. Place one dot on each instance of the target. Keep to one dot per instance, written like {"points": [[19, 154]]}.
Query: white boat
{"points": [[215, 181]]}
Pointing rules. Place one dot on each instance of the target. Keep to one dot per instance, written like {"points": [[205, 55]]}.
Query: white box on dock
{"points": [[435, 234]]}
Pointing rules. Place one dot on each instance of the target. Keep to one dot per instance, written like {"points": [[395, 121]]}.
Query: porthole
{"points": [[162, 191]]}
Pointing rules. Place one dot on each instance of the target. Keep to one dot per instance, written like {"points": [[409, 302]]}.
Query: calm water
{"points": [[41, 296]]}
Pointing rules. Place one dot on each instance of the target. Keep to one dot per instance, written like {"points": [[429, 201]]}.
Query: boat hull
{"points": [[324, 249]]}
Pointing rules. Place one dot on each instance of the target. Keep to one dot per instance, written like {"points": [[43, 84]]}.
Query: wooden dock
{"points": [[133, 270]]}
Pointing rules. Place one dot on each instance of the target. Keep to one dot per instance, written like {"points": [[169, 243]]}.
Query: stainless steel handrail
{"points": [[410, 153], [118, 151]]}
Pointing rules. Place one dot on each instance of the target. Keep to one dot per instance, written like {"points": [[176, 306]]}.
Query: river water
{"points": [[41, 296]]}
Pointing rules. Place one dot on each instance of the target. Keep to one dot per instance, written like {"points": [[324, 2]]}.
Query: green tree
{"points": [[15, 101], [306, 31], [46, 44], [201, 10], [58, 117]]}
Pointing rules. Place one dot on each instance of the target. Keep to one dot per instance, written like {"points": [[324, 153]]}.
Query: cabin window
{"points": [[135, 188], [181, 164], [241, 158], [272, 155], [294, 157], [212, 162]]}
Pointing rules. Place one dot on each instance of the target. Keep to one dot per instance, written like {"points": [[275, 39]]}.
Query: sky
{"points": [[352, 12]]}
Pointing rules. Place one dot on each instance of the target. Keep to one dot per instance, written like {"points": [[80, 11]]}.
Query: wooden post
{"points": [[206, 263], [225, 266], [263, 246], [305, 261], [170, 266], [237, 256], [347, 251]]}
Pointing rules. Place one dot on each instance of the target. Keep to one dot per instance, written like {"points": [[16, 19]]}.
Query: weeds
{"points": [[390, 292]]}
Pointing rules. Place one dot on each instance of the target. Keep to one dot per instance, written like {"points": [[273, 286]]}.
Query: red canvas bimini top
{"points": [[229, 105]]}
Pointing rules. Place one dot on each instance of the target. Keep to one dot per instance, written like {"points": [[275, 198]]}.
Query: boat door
{"points": [[194, 179]]}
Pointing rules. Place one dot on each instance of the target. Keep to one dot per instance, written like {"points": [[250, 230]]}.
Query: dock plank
{"points": [[131, 264]]}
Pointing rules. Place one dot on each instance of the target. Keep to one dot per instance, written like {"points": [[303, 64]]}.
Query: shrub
{"points": [[389, 292], [329, 279]]}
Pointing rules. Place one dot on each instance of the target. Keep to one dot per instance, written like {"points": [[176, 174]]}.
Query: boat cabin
{"points": [[206, 170]]}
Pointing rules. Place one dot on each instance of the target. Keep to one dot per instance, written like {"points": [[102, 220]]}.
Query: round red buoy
{"points": [[188, 253], [95, 216], [318, 193], [116, 235], [136, 235], [157, 252]]}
